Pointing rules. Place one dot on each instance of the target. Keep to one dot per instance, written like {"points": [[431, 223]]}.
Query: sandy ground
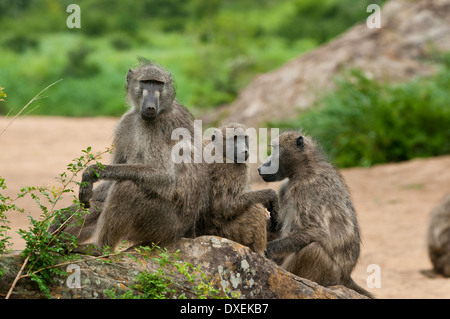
{"points": [[393, 201]]}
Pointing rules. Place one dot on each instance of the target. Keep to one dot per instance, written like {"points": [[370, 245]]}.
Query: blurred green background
{"points": [[213, 48]]}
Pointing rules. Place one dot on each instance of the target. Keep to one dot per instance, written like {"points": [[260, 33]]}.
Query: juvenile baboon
{"points": [[318, 230], [151, 198], [236, 212], [438, 237]]}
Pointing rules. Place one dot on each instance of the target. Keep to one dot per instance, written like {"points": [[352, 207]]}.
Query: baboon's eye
{"points": [[213, 137]]}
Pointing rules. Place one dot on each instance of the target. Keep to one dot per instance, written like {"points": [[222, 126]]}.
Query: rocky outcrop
{"points": [[410, 31], [231, 267]]}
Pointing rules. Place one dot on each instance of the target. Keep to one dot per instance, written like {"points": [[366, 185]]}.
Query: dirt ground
{"points": [[393, 201]]}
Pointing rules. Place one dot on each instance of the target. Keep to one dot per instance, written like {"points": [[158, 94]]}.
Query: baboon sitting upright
{"points": [[236, 212], [438, 237], [319, 233], [151, 198]]}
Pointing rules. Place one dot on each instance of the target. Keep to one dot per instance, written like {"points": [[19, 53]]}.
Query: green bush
{"points": [[320, 20], [78, 64], [5, 240], [20, 43], [364, 122], [44, 251], [214, 47]]}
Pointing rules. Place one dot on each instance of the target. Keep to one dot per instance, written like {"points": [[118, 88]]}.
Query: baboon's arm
{"points": [[267, 197], [144, 175], [293, 243]]}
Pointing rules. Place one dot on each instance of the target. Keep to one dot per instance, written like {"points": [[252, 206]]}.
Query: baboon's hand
{"points": [[273, 224], [87, 185], [271, 203], [272, 207], [85, 195]]}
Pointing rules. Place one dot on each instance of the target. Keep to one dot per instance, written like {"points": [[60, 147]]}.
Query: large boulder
{"points": [[231, 267], [410, 32]]}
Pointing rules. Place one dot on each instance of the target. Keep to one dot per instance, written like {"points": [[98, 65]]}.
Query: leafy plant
{"points": [[2, 94], [5, 240], [160, 284], [45, 250]]}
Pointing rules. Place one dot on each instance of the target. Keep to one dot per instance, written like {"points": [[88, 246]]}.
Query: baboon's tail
{"points": [[354, 286]]}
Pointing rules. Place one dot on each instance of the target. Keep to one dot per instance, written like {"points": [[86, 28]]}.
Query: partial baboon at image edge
{"points": [[438, 237]]}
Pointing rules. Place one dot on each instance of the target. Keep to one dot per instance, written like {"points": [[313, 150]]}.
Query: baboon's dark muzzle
{"points": [[149, 109], [267, 177]]}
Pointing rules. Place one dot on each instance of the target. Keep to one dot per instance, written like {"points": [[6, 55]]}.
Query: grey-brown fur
{"points": [[438, 237], [236, 212], [151, 199], [319, 235]]}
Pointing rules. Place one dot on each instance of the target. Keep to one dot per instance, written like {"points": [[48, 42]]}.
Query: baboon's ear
{"points": [[129, 74], [300, 143]]}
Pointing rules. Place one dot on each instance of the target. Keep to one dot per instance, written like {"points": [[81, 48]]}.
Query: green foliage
{"points": [[2, 94], [159, 285], [78, 65], [364, 122], [44, 250], [320, 20], [20, 43], [5, 205], [214, 48]]}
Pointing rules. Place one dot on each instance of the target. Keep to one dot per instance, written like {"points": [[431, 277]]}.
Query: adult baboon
{"points": [[438, 237], [151, 198], [236, 212], [319, 232]]}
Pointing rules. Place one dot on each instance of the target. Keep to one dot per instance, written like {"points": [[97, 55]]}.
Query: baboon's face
{"points": [[235, 144], [286, 151], [150, 91], [264, 170]]}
